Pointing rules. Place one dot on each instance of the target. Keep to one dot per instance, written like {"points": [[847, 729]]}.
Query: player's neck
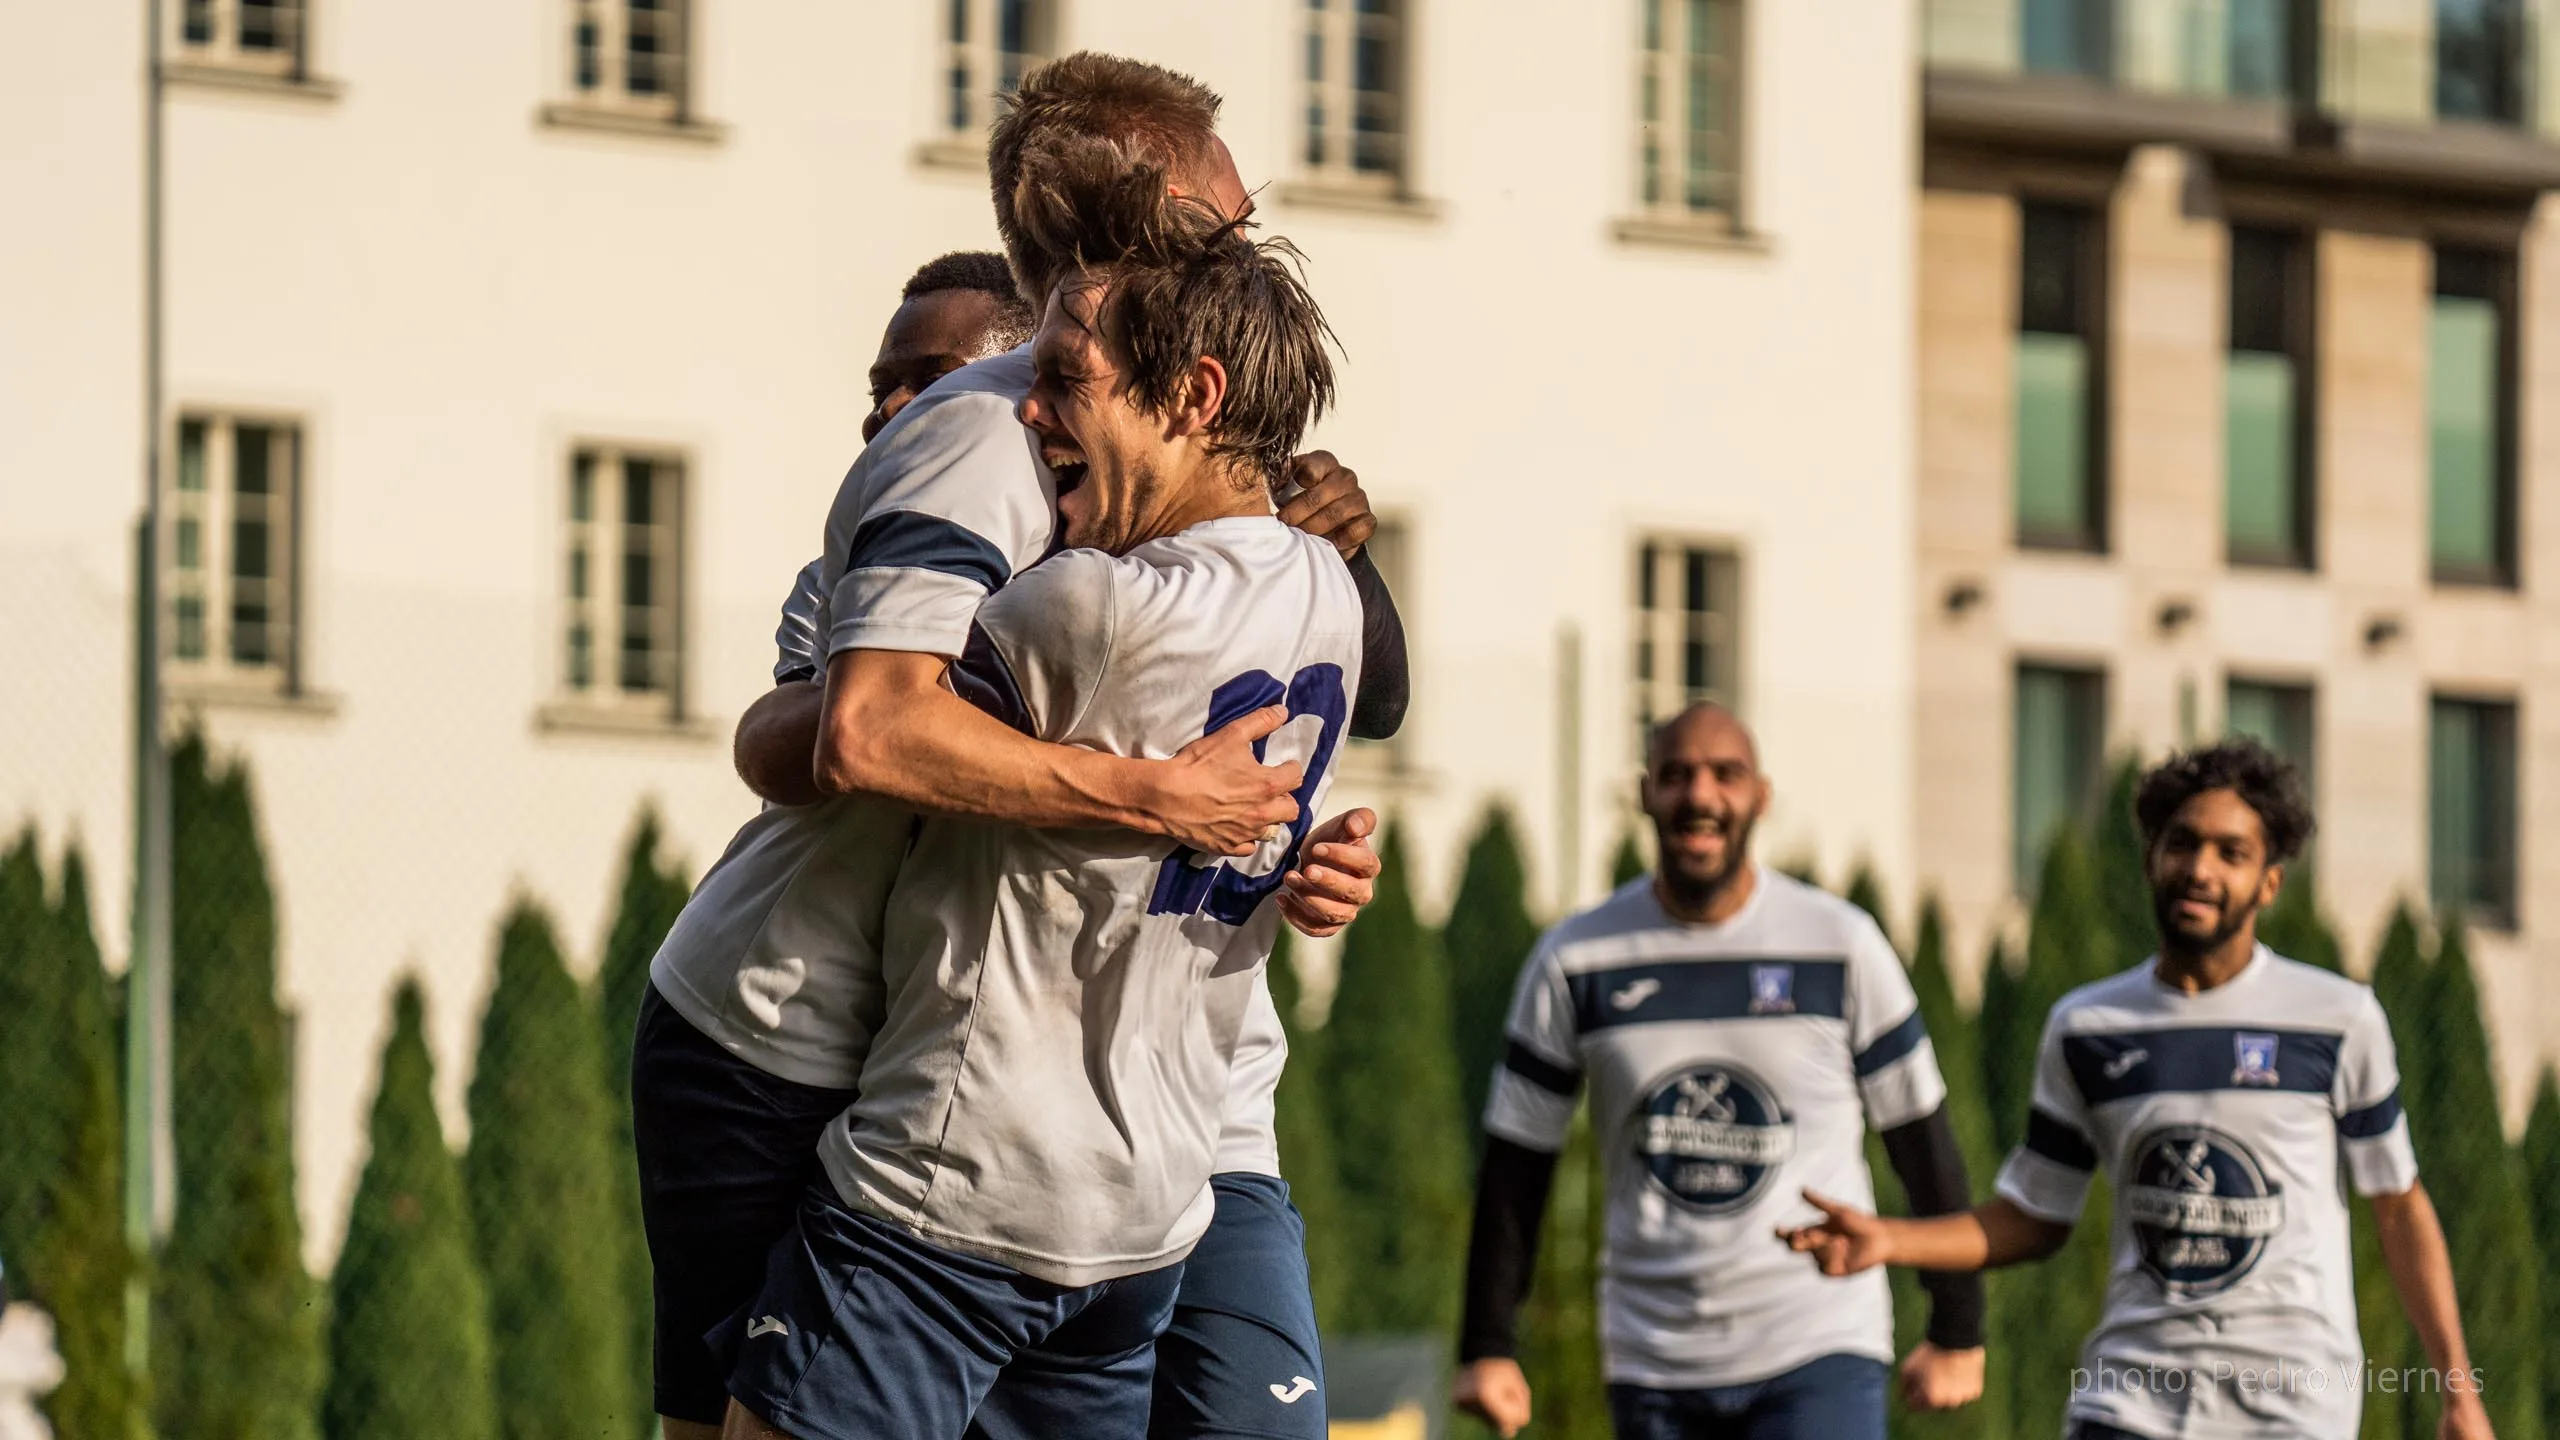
{"points": [[2196, 971], [1708, 904], [1213, 492]]}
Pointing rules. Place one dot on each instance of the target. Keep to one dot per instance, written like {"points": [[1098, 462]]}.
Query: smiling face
{"points": [[929, 337], [1704, 791], [1114, 462], [2211, 873]]}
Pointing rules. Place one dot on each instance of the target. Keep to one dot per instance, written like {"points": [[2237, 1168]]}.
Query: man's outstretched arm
{"points": [[1847, 1240]]}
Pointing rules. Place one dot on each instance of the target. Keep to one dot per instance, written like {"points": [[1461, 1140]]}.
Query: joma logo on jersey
{"points": [[2201, 1208], [1773, 989], [2257, 1059], [1713, 1137]]}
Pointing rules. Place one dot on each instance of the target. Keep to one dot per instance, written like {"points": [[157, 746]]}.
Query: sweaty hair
{"points": [[1175, 281], [2263, 781], [1167, 120], [985, 272]]}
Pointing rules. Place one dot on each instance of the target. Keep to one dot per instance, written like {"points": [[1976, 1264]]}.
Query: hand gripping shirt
{"points": [[2227, 1123], [1064, 1007], [1730, 1067]]}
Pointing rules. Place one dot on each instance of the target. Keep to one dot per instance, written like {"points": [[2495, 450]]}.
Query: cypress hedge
{"points": [[1628, 863], [409, 1345], [653, 894], [235, 1340], [2541, 1158], [2400, 984], [32, 1091], [540, 1187], [1306, 1143], [1488, 936], [1391, 1091]]}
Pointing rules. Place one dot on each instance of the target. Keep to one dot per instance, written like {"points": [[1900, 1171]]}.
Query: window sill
{"points": [[951, 152], [209, 693], [596, 118], [196, 75], [1707, 230], [571, 717], [2046, 545], [2271, 564], [2472, 580], [1355, 198]]}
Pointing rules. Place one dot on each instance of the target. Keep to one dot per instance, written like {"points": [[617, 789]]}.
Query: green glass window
{"points": [[2066, 37], [2276, 716], [2266, 480], [2056, 382], [2471, 809], [2059, 744], [2467, 458]]}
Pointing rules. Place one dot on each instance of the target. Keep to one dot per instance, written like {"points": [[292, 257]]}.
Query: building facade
{"points": [[2238, 410], [512, 353]]}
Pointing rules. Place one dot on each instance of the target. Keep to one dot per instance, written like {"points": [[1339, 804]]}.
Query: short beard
{"points": [[2174, 942], [1693, 894]]}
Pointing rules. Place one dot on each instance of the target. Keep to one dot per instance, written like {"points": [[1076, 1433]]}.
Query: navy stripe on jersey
{"points": [[1892, 1045], [1674, 990], [911, 540], [2374, 1119], [982, 678], [1540, 1071], [2120, 1065], [2058, 1142]]}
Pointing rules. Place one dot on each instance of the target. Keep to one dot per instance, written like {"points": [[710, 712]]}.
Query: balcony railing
{"points": [[2464, 61]]}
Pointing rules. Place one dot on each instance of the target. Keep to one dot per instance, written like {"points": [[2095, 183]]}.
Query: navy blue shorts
{"points": [[1240, 1358], [864, 1332], [726, 1151], [1837, 1397]]}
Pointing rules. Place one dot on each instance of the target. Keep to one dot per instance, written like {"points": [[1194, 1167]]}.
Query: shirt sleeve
{"points": [[795, 643], [2048, 1174], [1037, 652], [2366, 1098], [1540, 1077], [1897, 1067], [942, 509]]}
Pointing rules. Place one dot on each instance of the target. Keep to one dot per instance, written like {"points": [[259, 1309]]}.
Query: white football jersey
{"points": [[777, 955], [2221, 1119], [1731, 1066], [1064, 1007]]}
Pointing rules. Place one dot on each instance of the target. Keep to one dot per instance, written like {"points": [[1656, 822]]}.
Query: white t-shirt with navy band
{"points": [[777, 955], [2229, 1124], [1730, 1067], [1051, 1080]]}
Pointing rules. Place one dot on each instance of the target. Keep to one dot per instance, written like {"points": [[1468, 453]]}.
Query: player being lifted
{"points": [[2221, 1087], [765, 996], [1038, 1119], [1739, 1031]]}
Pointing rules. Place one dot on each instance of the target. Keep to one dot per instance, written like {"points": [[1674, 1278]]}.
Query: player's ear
{"points": [[1204, 394]]}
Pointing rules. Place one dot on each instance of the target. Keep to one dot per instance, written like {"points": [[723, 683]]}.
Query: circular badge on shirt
{"points": [[2201, 1208], [1712, 1136]]}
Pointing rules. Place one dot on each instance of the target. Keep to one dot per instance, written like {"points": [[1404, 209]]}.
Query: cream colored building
{"points": [[2238, 407], [513, 351]]}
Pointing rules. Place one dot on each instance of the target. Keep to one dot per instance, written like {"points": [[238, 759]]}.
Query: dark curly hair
{"points": [[2263, 780], [985, 272]]}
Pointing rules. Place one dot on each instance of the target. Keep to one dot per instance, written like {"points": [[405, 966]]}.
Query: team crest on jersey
{"points": [[2201, 1208], [2257, 1059], [1773, 989], [1712, 1137]]}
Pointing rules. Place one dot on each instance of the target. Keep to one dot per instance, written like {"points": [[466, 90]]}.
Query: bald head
{"points": [[1704, 791]]}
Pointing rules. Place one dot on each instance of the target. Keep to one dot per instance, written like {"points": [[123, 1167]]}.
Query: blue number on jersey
{"points": [[1183, 887]]}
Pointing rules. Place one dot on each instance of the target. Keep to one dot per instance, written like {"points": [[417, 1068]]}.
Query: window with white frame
{"points": [[233, 549], [631, 56], [264, 36], [622, 626], [1688, 630], [1355, 91], [988, 45], [1689, 109]]}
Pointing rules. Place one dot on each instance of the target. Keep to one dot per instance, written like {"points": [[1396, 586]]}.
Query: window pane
{"points": [[2066, 36], [582, 488], [2276, 716], [2476, 42], [2471, 793], [578, 573], [2057, 741], [639, 493], [2462, 408], [189, 640], [2053, 439], [1013, 26], [190, 543], [191, 455], [582, 659], [644, 42], [2260, 511], [249, 450], [262, 24], [197, 26], [590, 55], [2260, 35], [2052, 266], [959, 22]]}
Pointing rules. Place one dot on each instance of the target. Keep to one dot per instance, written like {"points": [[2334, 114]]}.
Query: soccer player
{"points": [[765, 996], [1036, 1124], [2224, 1089], [1739, 1031]]}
